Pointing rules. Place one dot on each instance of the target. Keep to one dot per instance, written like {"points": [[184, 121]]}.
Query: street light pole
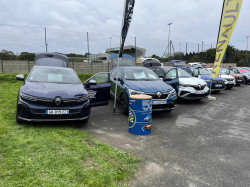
{"points": [[169, 37], [110, 44], [246, 49]]}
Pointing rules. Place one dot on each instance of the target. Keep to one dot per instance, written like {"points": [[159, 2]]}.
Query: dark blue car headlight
{"points": [[134, 92], [83, 98], [27, 97], [172, 92]]}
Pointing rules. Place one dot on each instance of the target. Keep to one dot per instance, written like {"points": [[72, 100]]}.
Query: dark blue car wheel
{"points": [[18, 121], [124, 103]]}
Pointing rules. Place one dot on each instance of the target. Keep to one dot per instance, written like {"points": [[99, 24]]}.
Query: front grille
{"points": [[43, 111], [166, 106], [57, 117], [154, 95], [230, 79], [199, 88], [218, 82], [51, 103], [239, 78]]}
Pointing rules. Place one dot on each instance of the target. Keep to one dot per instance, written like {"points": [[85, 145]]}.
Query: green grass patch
{"points": [[54, 154]]}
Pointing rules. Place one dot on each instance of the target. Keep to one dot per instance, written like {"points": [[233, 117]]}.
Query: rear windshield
{"points": [[51, 62], [63, 76]]}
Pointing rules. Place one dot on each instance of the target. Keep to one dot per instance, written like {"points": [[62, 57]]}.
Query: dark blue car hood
{"points": [[209, 77], [51, 90], [148, 86]]}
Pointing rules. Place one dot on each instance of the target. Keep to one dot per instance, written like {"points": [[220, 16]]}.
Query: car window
{"points": [[159, 72], [204, 72], [236, 70], [172, 74], [183, 73], [196, 72], [113, 73], [101, 78]]}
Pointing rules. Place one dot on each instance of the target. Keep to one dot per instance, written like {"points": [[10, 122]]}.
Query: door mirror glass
{"points": [[20, 77]]}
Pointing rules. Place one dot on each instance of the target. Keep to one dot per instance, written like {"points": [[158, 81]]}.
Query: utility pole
{"points": [[170, 47], [45, 37], [246, 49], [202, 46], [186, 47], [88, 51], [180, 47], [110, 38], [198, 48], [135, 50], [169, 37]]}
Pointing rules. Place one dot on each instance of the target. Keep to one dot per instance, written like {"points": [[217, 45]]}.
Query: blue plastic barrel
{"points": [[140, 114]]}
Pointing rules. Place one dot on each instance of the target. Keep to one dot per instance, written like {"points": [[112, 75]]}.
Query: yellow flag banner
{"points": [[230, 14]]}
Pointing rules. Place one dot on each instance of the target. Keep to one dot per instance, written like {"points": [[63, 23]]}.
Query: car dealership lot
{"points": [[203, 143]]}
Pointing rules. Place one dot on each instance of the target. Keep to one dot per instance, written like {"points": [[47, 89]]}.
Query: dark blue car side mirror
{"points": [[168, 79], [92, 82], [20, 77]]}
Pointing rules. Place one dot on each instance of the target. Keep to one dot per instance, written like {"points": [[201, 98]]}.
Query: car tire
{"points": [[245, 80], [124, 103], [18, 121]]}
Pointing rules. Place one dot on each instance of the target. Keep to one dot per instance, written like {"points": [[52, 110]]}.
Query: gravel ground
{"points": [[203, 143]]}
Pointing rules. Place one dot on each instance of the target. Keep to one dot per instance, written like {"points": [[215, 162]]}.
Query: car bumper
{"points": [[192, 96], [164, 107], [33, 113], [189, 93]]}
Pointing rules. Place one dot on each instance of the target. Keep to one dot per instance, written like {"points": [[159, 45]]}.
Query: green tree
{"points": [[27, 56]]}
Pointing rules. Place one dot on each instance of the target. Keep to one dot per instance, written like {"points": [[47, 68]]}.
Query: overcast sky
{"points": [[193, 21]]}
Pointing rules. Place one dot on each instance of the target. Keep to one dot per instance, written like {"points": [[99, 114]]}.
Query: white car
{"points": [[186, 86], [228, 79]]}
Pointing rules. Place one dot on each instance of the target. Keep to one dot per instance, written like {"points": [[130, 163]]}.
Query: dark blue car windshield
{"points": [[63, 76], [140, 74]]}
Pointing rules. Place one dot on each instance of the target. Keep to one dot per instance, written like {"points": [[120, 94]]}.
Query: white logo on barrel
{"points": [[146, 105]]}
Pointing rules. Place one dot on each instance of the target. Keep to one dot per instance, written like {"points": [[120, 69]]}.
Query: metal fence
{"points": [[35, 39], [16, 66]]}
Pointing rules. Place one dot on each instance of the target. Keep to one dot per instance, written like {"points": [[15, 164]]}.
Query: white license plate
{"points": [[239, 80], [218, 85], [159, 102], [200, 92], [57, 112]]}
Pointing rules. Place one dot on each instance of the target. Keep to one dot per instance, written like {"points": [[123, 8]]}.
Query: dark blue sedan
{"points": [[57, 94]]}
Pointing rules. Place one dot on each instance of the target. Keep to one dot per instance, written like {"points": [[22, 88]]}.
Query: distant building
{"points": [[137, 52]]}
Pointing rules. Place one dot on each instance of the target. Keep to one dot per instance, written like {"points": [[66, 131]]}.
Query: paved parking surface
{"points": [[204, 143]]}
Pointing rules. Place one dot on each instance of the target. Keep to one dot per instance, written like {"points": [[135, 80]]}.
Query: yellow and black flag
{"points": [[229, 17]]}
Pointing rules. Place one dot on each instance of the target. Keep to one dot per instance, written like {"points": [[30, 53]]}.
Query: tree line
{"points": [[9, 55], [232, 55]]}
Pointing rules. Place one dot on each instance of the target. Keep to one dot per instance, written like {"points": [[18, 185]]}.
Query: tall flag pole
{"points": [[127, 17], [229, 17]]}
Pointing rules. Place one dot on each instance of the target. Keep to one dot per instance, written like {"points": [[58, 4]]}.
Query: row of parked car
{"points": [[54, 92]]}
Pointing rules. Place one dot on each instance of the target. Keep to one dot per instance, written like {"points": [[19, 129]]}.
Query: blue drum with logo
{"points": [[140, 114]]}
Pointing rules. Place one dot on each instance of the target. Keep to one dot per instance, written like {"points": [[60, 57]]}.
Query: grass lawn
{"points": [[54, 154]]}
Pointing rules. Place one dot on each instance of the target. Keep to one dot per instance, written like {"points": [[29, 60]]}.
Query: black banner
{"points": [[128, 12]]}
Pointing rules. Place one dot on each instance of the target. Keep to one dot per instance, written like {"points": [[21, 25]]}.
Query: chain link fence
{"points": [[30, 39]]}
